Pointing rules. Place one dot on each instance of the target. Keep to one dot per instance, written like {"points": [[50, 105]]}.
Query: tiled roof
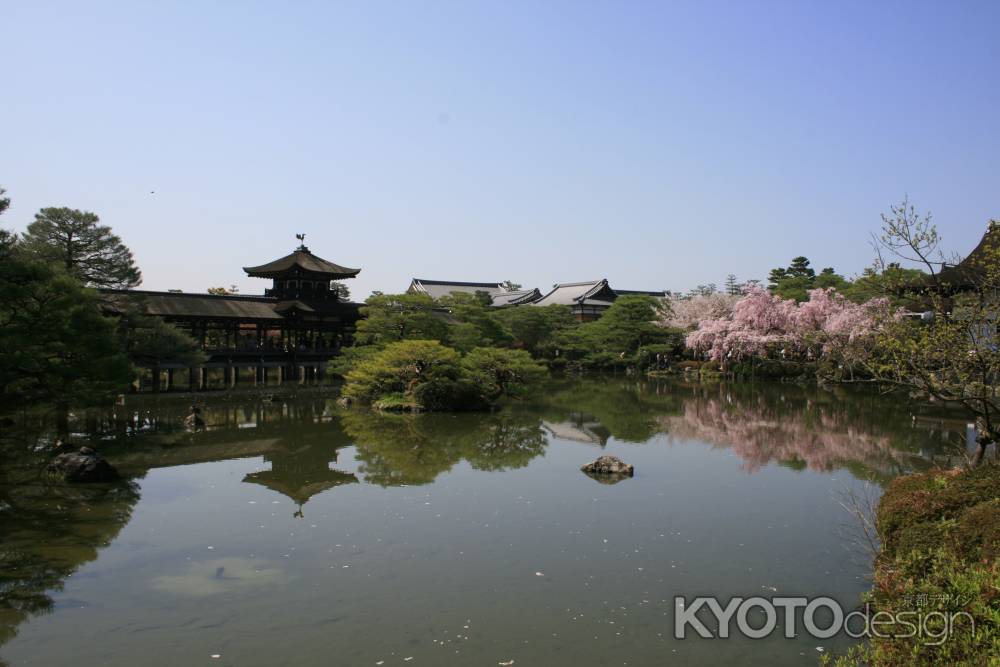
{"points": [[659, 294], [593, 292], [181, 304], [440, 288], [971, 270], [516, 297], [305, 261]]}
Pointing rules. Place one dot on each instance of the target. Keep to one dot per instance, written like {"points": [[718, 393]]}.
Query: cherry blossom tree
{"points": [[688, 312], [764, 325], [829, 324], [759, 323]]}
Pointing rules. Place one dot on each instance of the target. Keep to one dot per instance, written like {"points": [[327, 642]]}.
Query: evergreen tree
{"points": [[88, 251], [799, 268], [342, 291], [55, 346], [775, 277], [732, 286], [388, 318]]}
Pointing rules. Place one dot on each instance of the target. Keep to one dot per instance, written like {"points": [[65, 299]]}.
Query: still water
{"points": [[291, 532]]}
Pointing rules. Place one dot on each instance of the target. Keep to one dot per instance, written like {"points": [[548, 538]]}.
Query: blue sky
{"points": [[660, 144]]}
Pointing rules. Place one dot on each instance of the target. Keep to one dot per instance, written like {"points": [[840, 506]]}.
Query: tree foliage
{"points": [[687, 313], [55, 346], [614, 340], [424, 374], [473, 321], [499, 372], [399, 367], [951, 353], [87, 250], [536, 328], [151, 341], [389, 318], [342, 291], [798, 278], [764, 325]]}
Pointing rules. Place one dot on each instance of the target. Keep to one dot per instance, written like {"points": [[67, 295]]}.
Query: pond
{"points": [[292, 532]]}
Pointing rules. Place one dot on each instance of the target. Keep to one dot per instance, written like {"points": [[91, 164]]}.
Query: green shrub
{"points": [[928, 583], [940, 535], [934, 497], [399, 368], [424, 374], [501, 372], [443, 395]]}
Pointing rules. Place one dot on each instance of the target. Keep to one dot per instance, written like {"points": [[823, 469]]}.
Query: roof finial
{"points": [[302, 241]]}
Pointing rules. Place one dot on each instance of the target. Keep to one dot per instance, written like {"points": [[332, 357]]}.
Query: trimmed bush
{"points": [[426, 375], [443, 395]]}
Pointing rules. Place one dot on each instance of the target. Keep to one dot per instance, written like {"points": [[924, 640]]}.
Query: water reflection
{"points": [[796, 430], [792, 425], [48, 529], [396, 450], [299, 473]]}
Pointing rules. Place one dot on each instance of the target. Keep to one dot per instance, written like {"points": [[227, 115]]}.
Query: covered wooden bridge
{"points": [[287, 334]]}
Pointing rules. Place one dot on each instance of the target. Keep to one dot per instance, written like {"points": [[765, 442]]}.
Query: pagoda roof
{"points": [[304, 261]]}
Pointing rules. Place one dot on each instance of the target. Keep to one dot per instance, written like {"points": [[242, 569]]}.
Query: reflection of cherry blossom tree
{"points": [[761, 432], [762, 325]]}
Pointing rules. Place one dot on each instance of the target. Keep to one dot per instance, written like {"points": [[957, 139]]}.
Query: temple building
{"points": [[500, 295], [976, 270], [657, 294], [288, 333], [587, 300]]}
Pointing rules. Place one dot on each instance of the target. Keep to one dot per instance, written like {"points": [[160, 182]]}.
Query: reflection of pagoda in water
{"points": [[300, 472], [300, 463]]}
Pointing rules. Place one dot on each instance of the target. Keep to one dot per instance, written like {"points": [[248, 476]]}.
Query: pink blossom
{"points": [[762, 325], [688, 313]]}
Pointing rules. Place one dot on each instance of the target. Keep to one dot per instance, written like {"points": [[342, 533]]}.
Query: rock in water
{"points": [[194, 422], [608, 468], [85, 465]]}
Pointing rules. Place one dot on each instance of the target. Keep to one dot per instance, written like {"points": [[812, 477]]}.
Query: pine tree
{"points": [[88, 251], [732, 286]]}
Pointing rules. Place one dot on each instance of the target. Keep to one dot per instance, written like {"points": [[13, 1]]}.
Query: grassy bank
{"points": [[938, 571]]}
